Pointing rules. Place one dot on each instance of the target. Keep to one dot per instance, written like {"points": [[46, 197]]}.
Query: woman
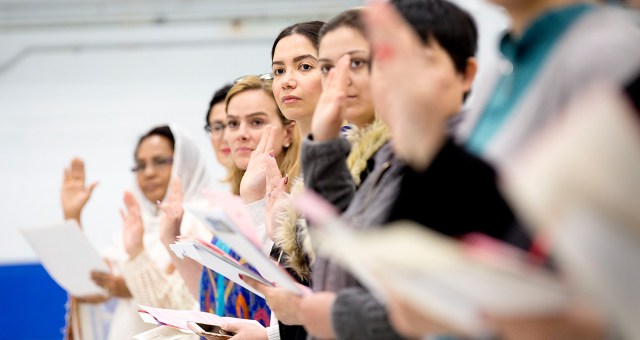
{"points": [[296, 75], [215, 124], [161, 154], [344, 99], [256, 132]]}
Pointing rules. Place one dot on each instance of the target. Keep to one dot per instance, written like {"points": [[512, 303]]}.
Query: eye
{"points": [[278, 71], [325, 68], [257, 122], [305, 67], [217, 126], [232, 124], [357, 63]]}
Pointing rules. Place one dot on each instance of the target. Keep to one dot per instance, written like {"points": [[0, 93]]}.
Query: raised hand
{"points": [[276, 191], [172, 213], [133, 229], [253, 184], [409, 85], [330, 110], [74, 192]]}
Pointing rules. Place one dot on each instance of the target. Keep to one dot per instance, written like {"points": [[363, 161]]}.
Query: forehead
{"points": [[340, 41], [252, 101], [154, 146], [293, 46]]}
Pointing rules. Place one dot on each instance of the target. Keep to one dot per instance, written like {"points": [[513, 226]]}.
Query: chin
{"points": [[242, 164], [297, 113]]}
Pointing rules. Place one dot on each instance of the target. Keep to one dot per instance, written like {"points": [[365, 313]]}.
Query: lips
{"points": [[151, 187], [244, 150], [290, 99]]}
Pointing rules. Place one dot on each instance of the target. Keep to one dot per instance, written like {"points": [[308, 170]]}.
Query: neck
{"points": [[304, 126], [523, 14]]}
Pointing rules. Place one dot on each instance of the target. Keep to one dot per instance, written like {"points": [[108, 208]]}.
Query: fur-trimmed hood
{"points": [[292, 234]]}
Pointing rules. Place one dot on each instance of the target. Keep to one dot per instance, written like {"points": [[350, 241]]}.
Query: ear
{"points": [[289, 130], [469, 73]]}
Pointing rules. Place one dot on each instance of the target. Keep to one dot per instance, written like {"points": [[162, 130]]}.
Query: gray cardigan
{"points": [[325, 171]]}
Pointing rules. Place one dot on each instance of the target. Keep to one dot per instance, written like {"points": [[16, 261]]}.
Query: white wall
{"points": [[90, 91]]}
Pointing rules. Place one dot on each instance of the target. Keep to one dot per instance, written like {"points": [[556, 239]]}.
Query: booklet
{"points": [[578, 183], [68, 256], [440, 276], [212, 257], [229, 220]]}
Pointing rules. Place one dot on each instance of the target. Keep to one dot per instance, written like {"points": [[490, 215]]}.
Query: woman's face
{"points": [[154, 160], [297, 81], [217, 122], [345, 40], [248, 113]]}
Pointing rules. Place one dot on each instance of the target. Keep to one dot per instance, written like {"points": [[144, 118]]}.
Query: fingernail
{"points": [[286, 179], [158, 202], [383, 52], [241, 276], [271, 153]]}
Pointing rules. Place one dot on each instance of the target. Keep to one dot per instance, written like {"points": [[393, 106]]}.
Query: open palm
{"points": [[133, 230], [74, 192]]}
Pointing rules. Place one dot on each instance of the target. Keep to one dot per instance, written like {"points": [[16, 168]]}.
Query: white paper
{"points": [[433, 274], [68, 256], [179, 318], [165, 333], [229, 224], [217, 263]]}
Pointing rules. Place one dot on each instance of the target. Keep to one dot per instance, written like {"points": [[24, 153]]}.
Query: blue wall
{"points": [[31, 303]]}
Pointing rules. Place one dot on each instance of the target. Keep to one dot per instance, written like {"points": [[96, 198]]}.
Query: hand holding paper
{"points": [[68, 256], [230, 222]]}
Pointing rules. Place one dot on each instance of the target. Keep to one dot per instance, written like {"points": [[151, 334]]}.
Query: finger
{"points": [[67, 174], [123, 215], [98, 275], [263, 140], [342, 73], [131, 202], [271, 138], [77, 169], [273, 174], [388, 32], [232, 327], [177, 190], [255, 284], [109, 265]]}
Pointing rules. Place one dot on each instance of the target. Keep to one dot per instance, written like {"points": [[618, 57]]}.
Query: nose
{"points": [[149, 170], [242, 132], [289, 80]]}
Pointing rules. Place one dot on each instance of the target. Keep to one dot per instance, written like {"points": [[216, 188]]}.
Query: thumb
{"points": [[92, 186], [231, 327]]}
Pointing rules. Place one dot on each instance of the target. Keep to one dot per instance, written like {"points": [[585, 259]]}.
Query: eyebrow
{"points": [[352, 52], [296, 59], [260, 113]]}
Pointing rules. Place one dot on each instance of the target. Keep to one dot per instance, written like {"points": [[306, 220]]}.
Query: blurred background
{"points": [[86, 78]]}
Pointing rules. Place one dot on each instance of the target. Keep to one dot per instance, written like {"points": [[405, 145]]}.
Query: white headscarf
{"points": [[191, 168]]}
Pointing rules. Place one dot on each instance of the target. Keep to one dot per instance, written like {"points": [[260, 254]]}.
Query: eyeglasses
{"points": [[215, 130], [264, 76], [156, 163]]}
